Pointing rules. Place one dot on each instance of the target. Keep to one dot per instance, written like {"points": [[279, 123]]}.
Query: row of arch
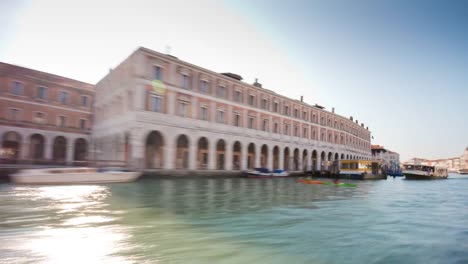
{"points": [[231, 157], [14, 144]]}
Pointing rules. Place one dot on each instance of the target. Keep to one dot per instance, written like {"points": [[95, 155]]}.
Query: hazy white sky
{"points": [[400, 72]]}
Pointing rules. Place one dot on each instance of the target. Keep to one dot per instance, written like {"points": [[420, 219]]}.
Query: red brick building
{"points": [[44, 118]]}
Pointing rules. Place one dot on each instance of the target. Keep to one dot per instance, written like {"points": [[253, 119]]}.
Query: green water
{"points": [[236, 221]]}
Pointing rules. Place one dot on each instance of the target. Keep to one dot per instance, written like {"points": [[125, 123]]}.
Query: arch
{"points": [[337, 156], [304, 160], [296, 159], [330, 156], [182, 152], [276, 157], [202, 153], [347, 156], [314, 160], [81, 150], [154, 150], [36, 147], [286, 157], [264, 156], [220, 154], [323, 161], [251, 156], [236, 155], [342, 156], [59, 154], [11, 145]]}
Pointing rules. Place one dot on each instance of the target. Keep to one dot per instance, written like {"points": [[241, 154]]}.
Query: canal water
{"points": [[236, 221]]}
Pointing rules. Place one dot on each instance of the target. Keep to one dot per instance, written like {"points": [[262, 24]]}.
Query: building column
{"points": [[48, 149], [228, 156], [193, 155], [299, 162], [212, 155], [137, 149], [169, 154], [258, 154], [270, 159], [319, 162], [244, 151], [281, 158], [24, 150], [70, 151], [309, 161]]}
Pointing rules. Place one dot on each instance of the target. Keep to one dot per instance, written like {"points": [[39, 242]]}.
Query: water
{"points": [[236, 221]]}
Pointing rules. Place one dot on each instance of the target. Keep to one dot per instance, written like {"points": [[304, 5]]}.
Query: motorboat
{"points": [[265, 173], [423, 172], [78, 175]]}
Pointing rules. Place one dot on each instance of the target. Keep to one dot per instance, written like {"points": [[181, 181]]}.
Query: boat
{"points": [[359, 169], [79, 175], [343, 184], [266, 173], [424, 172], [463, 171]]}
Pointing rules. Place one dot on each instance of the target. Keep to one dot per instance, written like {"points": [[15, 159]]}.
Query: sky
{"points": [[399, 67]]}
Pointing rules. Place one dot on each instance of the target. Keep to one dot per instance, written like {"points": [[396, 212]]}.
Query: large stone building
{"points": [[156, 111], [44, 118]]}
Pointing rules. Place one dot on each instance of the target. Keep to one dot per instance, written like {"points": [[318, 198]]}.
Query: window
{"points": [[185, 81], [265, 125], [220, 117], [204, 87], [82, 124], [38, 117], [61, 122], [204, 113], [155, 104], [238, 96], [221, 92], [157, 72], [14, 114], [183, 109], [296, 131], [314, 135], [286, 110], [84, 100], [304, 132], [251, 122], [286, 129], [265, 104], [236, 119], [276, 107], [322, 137], [304, 115], [276, 128], [42, 93], [17, 88], [63, 97], [296, 113], [329, 137], [252, 100], [314, 118]]}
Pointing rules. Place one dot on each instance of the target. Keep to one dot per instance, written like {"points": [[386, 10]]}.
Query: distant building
{"points": [[44, 118], [155, 111], [390, 159]]}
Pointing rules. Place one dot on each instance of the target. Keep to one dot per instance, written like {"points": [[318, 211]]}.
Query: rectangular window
{"points": [[204, 113], [155, 104], [265, 104], [286, 129], [286, 110], [265, 125], [314, 135], [157, 73], [238, 96], [42, 93], [14, 114], [296, 113], [82, 124], [314, 118], [220, 118], [221, 92], [276, 128], [183, 109], [63, 97], [304, 132], [84, 100], [237, 120], [252, 100], [185, 82], [17, 88], [251, 122], [296, 131], [61, 122], [276, 107], [304, 115], [204, 86]]}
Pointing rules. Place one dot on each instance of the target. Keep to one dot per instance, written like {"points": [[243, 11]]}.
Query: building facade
{"points": [[44, 118], [155, 111], [390, 160]]}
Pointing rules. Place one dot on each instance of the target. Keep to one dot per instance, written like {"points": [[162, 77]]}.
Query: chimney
{"points": [[302, 98], [362, 124], [256, 83], [357, 122], [351, 118], [333, 109]]}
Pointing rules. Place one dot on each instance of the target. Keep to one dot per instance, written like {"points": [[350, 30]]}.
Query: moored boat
{"points": [[265, 173], [423, 172], [360, 170], [81, 175]]}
